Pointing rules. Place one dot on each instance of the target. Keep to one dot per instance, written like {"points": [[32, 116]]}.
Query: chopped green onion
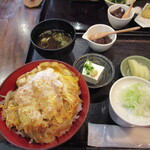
{"points": [[137, 99], [88, 67]]}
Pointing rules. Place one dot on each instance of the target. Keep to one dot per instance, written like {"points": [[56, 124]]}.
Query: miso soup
{"points": [[54, 39]]}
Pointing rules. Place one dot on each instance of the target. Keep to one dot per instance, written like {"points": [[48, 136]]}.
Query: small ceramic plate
{"points": [[108, 73], [143, 22], [124, 67]]}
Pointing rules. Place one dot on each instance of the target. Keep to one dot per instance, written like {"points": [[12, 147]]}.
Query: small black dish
{"points": [[58, 24], [108, 73]]}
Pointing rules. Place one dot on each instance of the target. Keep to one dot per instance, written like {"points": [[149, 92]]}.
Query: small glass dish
{"points": [[108, 73]]}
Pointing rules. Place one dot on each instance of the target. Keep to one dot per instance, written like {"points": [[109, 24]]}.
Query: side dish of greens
{"points": [[137, 99], [118, 1]]}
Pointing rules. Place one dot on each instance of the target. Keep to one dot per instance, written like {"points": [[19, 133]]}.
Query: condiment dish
{"points": [[118, 23], [109, 69], [97, 28]]}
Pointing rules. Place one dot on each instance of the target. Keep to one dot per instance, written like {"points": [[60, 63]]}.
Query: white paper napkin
{"points": [[115, 136]]}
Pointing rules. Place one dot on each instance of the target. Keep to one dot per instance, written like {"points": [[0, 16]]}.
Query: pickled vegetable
{"points": [[146, 12], [138, 69]]}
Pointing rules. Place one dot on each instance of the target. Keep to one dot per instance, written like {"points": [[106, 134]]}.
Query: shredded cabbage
{"points": [[137, 99]]}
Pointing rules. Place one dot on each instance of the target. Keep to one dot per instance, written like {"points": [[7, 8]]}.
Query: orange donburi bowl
{"points": [[10, 84]]}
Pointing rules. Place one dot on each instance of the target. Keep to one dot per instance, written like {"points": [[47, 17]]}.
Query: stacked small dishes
{"points": [[108, 71]]}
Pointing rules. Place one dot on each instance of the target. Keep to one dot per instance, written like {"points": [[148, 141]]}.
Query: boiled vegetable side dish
{"points": [[118, 1], [121, 1], [136, 98]]}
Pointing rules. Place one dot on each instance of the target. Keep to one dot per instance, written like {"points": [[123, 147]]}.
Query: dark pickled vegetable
{"points": [[118, 12], [104, 40]]}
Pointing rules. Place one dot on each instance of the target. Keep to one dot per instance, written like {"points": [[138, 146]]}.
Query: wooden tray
{"points": [[82, 15]]}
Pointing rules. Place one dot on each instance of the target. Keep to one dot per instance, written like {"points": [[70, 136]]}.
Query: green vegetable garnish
{"points": [[137, 99], [118, 1], [88, 67]]}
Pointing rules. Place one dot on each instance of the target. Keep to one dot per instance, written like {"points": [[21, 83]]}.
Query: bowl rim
{"points": [[112, 105], [106, 59], [47, 20], [131, 57], [103, 25], [109, 2], [7, 134], [121, 19]]}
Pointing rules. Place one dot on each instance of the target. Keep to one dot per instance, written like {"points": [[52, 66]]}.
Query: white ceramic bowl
{"points": [[118, 23], [96, 29], [120, 114]]}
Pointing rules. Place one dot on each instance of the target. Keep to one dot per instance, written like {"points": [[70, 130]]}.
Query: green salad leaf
{"points": [[137, 99]]}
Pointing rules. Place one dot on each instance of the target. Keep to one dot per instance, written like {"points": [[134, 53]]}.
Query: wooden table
{"points": [[16, 23]]}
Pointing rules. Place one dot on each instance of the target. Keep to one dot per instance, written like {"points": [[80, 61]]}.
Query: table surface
{"points": [[16, 23]]}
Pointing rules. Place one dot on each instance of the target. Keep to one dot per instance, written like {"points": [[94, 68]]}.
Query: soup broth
{"points": [[54, 39]]}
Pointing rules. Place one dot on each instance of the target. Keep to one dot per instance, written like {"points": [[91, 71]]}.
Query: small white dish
{"points": [[143, 22], [118, 23], [120, 114], [97, 29]]}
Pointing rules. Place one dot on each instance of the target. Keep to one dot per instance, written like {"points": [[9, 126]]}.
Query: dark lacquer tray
{"points": [[81, 15]]}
